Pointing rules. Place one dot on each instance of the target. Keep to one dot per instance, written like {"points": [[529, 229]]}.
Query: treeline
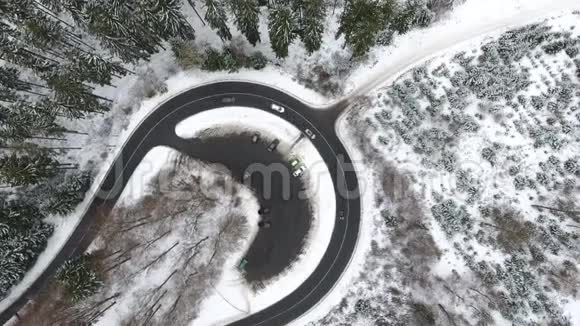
{"points": [[53, 53]]}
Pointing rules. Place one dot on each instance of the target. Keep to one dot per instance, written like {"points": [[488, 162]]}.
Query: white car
{"points": [[277, 108], [310, 134], [299, 171], [228, 100]]}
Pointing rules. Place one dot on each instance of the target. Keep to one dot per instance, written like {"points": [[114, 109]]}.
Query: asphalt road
{"points": [[159, 129]]}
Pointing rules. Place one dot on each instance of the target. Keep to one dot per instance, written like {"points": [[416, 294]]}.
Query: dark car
{"points": [[264, 210], [273, 145]]}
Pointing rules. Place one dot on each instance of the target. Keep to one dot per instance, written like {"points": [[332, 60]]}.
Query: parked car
{"points": [[298, 168], [310, 134], [242, 265], [255, 138], [265, 224], [264, 210], [277, 108], [273, 145]]}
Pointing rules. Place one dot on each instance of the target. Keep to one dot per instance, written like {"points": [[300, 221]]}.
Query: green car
{"points": [[242, 264], [297, 167]]}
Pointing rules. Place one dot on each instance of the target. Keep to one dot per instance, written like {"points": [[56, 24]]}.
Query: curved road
{"points": [[158, 129]]}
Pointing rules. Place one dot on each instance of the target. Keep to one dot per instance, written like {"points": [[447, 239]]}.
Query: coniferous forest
{"points": [[55, 53]]}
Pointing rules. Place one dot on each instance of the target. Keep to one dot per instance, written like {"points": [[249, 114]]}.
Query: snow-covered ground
{"points": [[230, 292], [493, 151]]}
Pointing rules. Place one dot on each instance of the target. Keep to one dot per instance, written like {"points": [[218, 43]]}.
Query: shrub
{"points": [[571, 166], [258, 60], [232, 60], [453, 219], [186, 54], [489, 155]]}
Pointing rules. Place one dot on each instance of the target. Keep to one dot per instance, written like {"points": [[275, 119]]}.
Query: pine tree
{"points": [[44, 33], [10, 78], [405, 17], [23, 236], [15, 51], [79, 278], [216, 16], [27, 169], [66, 195], [312, 24], [282, 29], [361, 22], [165, 19], [247, 17], [20, 121], [73, 97], [120, 31], [92, 68]]}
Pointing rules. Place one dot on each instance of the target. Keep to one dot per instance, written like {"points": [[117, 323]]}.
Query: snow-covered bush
{"points": [[488, 154], [452, 218]]}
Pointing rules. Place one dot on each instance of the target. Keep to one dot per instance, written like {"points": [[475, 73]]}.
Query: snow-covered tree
{"points": [[92, 68], [20, 170], [312, 24], [164, 18], [79, 278], [247, 17], [216, 16], [64, 196], [361, 22], [73, 97], [23, 236], [282, 29]]}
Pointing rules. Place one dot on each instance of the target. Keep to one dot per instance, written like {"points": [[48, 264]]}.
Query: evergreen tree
{"points": [[27, 169], [79, 278], [14, 50], [312, 24], [66, 195], [10, 78], [92, 68], [19, 121], [7, 95], [165, 18], [405, 17], [362, 21], [247, 17], [23, 236], [119, 29], [216, 16], [282, 29], [44, 33], [73, 97]]}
